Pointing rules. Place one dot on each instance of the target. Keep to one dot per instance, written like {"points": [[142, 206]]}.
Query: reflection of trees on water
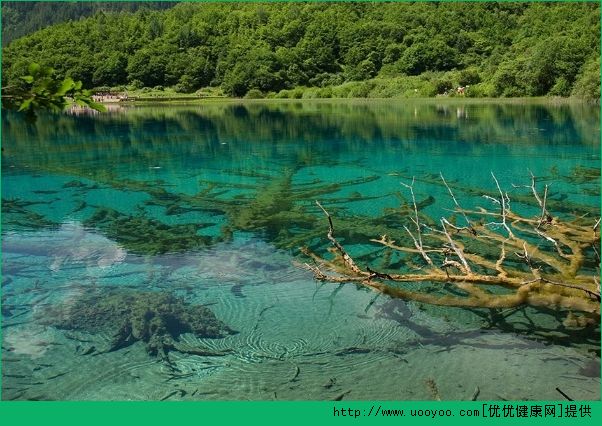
{"points": [[277, 139], [201, 129]]}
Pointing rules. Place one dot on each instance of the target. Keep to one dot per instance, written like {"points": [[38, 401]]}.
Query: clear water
{"points": [[104, 203]]}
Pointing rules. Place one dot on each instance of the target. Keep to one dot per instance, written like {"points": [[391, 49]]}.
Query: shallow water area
{"points": [[210, 205]]}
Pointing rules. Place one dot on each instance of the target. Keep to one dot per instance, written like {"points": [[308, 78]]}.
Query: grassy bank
{"points": [[461, 100], [430, 85]]}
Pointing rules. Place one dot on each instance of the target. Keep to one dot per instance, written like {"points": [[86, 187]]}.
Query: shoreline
{"points": [[450, 100]]}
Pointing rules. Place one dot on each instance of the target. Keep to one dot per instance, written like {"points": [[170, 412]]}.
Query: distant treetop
{"points": [[20, 18]]}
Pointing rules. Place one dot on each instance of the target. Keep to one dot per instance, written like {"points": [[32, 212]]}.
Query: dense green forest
{"points": [[20, 18], [326, 50]]}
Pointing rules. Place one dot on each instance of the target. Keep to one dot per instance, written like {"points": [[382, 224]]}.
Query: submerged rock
{"points": [[156, 318]]}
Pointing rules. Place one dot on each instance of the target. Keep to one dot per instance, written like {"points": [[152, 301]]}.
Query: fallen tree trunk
{"points": [[542, 261]]}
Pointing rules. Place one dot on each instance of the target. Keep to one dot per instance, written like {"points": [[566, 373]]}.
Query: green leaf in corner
{"points": [[66, 86], [97, 106], [25, 104]]}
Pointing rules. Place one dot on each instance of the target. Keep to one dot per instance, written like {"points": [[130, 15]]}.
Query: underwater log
{"points": [[544, 260]]}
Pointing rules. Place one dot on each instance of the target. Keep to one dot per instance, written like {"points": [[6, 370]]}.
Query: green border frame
{"points": [[301, 412]]}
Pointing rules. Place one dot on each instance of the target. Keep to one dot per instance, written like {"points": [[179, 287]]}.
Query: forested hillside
{"points": [[329, 50], [24, 17]]}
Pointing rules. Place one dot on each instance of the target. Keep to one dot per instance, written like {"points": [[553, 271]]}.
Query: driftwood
{"points": [[542, 261]]}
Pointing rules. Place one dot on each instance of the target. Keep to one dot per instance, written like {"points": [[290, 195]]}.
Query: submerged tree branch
{"points": [[346, 258], [417, 243], [475, 263]]}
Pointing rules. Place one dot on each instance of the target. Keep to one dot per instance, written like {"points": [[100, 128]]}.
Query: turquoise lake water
{"points": [[208, 205]]}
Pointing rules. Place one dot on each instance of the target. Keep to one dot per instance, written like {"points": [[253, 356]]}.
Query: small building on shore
{"points": [[110, 97]]}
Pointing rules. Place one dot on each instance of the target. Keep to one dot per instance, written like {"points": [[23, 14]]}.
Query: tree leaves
{"points": [[514, 49], [44, 91], [67, 85]]}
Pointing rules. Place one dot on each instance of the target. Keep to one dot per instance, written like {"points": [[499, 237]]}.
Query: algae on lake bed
{"points": [[155, 318], [142, 235]]}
